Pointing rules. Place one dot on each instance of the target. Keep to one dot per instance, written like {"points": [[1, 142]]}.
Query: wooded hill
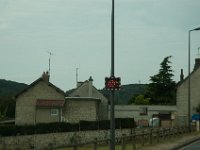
{"points": [[10, 88], [126, 93]]}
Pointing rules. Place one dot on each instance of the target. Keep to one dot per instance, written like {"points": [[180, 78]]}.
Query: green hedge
{"points": [[12, 130]]}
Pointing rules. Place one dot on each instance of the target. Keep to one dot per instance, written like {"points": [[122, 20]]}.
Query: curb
{"points": [[185, 143]]}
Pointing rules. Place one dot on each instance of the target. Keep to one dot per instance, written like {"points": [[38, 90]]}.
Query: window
{"points": [[54, 112]]}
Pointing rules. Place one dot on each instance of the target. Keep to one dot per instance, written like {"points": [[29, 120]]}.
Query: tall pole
{"points": [[189, 92], [112, 107]]}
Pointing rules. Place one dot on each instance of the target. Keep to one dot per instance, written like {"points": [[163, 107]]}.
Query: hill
{"points": [[126, 92], [10, 88]]}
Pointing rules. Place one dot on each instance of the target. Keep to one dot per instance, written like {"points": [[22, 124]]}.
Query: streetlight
{"points": [[189, 91], [112, 74]]}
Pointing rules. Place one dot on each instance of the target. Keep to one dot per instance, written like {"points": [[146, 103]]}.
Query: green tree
{"points": [[161, 90], [140, 100]]}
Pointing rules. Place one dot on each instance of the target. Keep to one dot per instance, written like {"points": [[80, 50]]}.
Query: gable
{"points": [[83, 91], [41, 86]]}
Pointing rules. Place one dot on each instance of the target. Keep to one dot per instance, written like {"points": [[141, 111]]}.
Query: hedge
{"points": [[12, 130]]}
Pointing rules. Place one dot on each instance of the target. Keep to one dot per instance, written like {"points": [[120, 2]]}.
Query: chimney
{"points": [[90, 86], [197, 63], [181, 75], [45, 76]]}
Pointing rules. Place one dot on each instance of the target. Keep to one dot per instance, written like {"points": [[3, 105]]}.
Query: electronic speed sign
{"points": [[112, 83]]}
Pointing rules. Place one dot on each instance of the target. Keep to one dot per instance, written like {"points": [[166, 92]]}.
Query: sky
{"points": [[77, 32]]}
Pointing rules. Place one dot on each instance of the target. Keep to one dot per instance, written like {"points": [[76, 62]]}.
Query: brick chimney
{"points": [[90, 86], [181, 75], [197, 63], [45, 76]]}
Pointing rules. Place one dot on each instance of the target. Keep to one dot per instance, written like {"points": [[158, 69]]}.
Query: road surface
{"points": [[192, 146]]}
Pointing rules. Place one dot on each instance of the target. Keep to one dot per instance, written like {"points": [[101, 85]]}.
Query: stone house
{"points": [[43, 102], [40, 102], [182, 93], [85, 91]]}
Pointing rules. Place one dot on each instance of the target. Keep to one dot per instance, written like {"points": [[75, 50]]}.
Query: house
{"points": [[85, 91], [182, 94], [43, 102], [40, 102]]}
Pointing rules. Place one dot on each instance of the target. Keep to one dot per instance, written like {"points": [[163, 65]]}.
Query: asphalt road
{"points": [[192, 146]]}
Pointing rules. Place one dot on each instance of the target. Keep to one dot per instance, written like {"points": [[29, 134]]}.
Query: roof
{"points": [[36, 82], [49, 103], [181, 82]]}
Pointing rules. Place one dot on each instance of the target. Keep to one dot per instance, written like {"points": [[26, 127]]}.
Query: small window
{"points": [[54, 112]]}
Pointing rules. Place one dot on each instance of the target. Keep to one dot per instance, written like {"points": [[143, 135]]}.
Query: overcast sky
{"points": [[77, 32]]}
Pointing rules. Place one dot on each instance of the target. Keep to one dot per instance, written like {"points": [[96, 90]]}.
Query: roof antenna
{"points": [[77, 75], [50, 54], [198, 52]]}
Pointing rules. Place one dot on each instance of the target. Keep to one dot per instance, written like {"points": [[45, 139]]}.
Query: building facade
{"points": [[40, 102], [182, 93]]}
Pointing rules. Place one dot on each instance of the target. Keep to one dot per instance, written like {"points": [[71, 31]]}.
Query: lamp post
{"points": [[112, 74], [189, 84]]}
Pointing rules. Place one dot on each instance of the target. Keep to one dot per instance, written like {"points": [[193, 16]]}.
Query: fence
{"points": [[137, 139]]}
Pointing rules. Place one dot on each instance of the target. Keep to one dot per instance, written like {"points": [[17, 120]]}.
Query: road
{"points": [[192, 146]]}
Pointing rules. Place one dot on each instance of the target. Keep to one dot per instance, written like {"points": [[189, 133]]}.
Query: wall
{"points": [[76, 110], [182, 94], [25, 104], [41, 141], [88, 90], [43, 115], [133, 111]]}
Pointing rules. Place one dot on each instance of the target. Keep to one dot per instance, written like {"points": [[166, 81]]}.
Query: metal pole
{"points": [[189, 124], [112, 107]]}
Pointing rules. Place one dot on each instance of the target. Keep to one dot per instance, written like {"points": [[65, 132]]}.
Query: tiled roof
{"points": [[49, 103]]}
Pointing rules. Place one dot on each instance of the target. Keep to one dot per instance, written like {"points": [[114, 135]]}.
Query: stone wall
{"points": [[42, 141], [76, 110]]}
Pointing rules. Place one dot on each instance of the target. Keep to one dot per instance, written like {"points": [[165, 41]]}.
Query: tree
{"points": [[161, 90], [140, 100]]}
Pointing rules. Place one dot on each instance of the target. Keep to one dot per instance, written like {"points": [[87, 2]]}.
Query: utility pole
{"points": [[112, 83], [112, 105]]}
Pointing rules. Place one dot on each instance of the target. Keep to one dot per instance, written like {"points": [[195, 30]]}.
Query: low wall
{"points": [[42, 141]]}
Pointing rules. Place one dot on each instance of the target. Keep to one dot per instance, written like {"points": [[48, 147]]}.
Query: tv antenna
{"points": [[198, 52], [77, 75], [50, 54]]}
